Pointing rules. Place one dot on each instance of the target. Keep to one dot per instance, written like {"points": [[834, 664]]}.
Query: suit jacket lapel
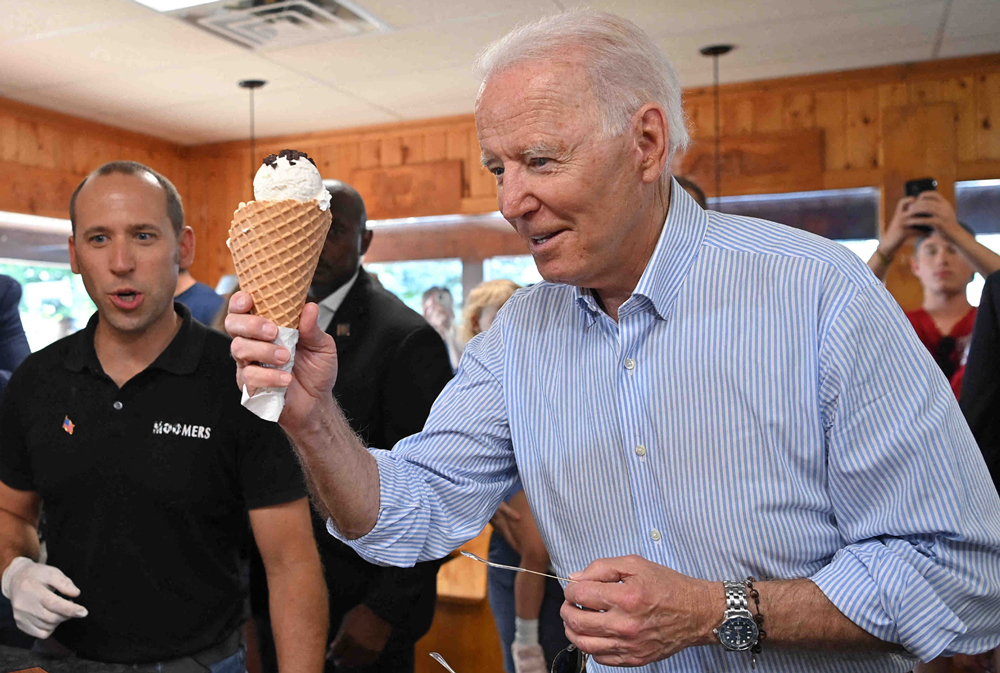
{"points": [[350, 317]]}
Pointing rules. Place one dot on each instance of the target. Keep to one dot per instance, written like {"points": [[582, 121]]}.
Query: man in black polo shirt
{"points": [[147, 465]]}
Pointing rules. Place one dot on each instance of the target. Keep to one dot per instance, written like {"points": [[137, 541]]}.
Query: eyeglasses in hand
{"points": [[570, 660]]}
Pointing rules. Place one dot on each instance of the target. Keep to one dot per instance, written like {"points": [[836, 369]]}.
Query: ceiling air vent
{"points": [[264, 24]]}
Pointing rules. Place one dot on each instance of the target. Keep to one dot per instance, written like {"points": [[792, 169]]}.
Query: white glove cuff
{"points": [[13, 568]]}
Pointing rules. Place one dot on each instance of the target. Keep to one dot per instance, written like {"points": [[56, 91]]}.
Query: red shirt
{"points": [[951, 355]]}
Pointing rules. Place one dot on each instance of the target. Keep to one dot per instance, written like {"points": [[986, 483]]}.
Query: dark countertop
{"points": [[13, 659]]}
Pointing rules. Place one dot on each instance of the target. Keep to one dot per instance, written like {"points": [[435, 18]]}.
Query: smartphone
{"points": [[914, 188]]}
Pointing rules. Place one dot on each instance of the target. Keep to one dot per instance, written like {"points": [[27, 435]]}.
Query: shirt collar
{"points": [[181, 356], [681, 237], [329, 305]]}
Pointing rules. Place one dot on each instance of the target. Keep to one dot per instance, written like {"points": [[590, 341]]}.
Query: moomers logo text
{"points": [[181, 430]]}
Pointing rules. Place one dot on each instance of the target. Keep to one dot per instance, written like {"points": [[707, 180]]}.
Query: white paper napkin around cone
{"points": [[268, 402]]}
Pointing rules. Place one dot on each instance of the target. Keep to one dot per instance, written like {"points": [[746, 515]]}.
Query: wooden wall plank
{"points": [[35, 144], [768, 115], [895, 93], [391, 151], [737, 116], [370, 153], [8, 138], [435, 146], [831, 116], [961, 92], [862, 128], [799, 110], [413, 149], [347, 158], [988, 118], [701, 117]]}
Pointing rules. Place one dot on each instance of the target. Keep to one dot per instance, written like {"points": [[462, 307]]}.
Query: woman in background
{"points": [[525, 607]]}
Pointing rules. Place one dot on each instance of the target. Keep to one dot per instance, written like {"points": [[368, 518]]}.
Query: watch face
{"points": [[738, 633]]}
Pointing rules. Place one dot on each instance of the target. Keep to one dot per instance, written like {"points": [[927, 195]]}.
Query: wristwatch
{"points": [[738, 631]]}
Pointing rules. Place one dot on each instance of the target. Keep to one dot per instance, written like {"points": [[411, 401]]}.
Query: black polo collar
{"points": [[181, 356]]}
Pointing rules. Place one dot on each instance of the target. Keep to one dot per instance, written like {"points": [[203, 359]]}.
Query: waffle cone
{"points": [[276, 246]]}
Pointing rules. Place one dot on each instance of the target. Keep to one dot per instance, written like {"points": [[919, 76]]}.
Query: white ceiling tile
{"points": [[116, 62], [973, 18], [803, 66], [851, 38], [153, 43], [414, 50], [444, 92], [677, 17], [971, 46], [23, 19], [421, 12], [214, 79], [276, 112]]}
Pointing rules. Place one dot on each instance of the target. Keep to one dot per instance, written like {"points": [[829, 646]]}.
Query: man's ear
{"points": [[366, 240], [652, 136], [72, 255], [186, 244]]}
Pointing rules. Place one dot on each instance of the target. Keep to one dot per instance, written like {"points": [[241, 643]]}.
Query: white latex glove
{"points": [[38, 610]]}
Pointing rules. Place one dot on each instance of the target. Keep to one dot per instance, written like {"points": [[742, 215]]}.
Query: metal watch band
{"points": [[736, 596]]}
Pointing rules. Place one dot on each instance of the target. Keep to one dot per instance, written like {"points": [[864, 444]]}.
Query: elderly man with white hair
{"points": [[692, 400]]}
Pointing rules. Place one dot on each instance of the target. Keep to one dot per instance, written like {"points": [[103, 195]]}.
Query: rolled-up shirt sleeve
{"points": [[910, 492], [441, 486]]}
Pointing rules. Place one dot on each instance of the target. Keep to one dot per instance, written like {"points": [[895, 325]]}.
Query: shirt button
{"points": [[655, 534], [117, 405], [629, 364], [640, 450]]}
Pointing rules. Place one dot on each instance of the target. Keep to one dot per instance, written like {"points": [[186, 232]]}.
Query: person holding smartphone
{"points": [[946, 255]]}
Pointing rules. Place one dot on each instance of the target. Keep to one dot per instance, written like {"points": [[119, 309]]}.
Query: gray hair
{"points": [[623, 65]]}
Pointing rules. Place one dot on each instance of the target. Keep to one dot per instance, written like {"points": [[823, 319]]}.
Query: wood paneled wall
{"points": [[44, 155], [813, 132], [761, 124], [220, 178]]}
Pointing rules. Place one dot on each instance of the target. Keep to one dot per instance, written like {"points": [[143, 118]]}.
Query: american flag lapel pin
{"points": [[344, 329], [68, 425]]}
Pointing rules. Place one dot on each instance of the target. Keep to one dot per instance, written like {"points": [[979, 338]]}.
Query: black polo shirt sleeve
{"points": [[15, 459], [269, 472]]}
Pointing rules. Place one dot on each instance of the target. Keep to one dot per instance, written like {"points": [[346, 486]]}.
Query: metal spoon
{"points": [[514, 568], [438, 658]]}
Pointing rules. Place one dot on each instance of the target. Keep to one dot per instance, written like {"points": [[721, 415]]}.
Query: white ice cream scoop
{"points": [[290, 175]]}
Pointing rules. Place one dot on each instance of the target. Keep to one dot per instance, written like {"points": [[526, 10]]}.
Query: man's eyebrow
{"points": [[537, 150], [542, 149]]}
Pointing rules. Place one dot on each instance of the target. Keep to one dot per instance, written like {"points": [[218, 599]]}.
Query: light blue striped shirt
{"points": [[761, 408]]}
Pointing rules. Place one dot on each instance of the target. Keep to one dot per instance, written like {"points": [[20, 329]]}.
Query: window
{"points": [[519, 268], [977, 204], [409, 280], [54, 302]]}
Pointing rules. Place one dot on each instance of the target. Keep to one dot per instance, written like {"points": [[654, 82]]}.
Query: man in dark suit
{"points": [[392, 365], [13, 344], [980, 399]]}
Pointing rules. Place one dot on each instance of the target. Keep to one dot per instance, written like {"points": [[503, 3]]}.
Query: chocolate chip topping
{"points": [[292, 156]]}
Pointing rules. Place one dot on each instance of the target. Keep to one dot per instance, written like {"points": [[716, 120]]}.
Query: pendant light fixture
{"points": [[252, 84], [715, 51]]}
